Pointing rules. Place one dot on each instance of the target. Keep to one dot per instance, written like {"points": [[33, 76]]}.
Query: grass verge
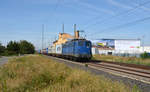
{"points": [[130, 60], [35, 73]]}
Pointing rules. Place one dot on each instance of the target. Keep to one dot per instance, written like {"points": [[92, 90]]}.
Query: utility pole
{"points": [[42, 36], [63, 29], [143, 42], [74, 30]]}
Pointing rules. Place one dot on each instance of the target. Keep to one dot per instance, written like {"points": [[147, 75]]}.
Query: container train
{"points": [[75, 49]]}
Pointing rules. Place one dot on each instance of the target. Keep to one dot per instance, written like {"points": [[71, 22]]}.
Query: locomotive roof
{"points": [[77, 39]]}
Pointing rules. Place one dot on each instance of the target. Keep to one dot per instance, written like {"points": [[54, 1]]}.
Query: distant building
{"points": [[130, 45], [145, 49], [63, 38], [117, 46]]}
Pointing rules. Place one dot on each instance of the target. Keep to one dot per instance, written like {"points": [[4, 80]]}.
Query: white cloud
{"points": [[115, 3], [94, 8], [49, 1], [87, 7], [41, 1], [72, 3], [143, 7]]}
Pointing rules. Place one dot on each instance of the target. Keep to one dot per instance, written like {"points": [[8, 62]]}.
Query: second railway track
{"points": [[138, 72], [123, 69]]}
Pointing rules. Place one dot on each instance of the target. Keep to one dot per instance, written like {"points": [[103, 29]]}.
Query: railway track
{"points": [[129, 70]]}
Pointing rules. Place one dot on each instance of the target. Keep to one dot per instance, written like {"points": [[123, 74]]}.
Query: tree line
{"points": [[15, 48]]}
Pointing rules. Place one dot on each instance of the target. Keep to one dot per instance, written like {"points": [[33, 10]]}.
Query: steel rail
{"points": [[118, 69], [127, 68]]}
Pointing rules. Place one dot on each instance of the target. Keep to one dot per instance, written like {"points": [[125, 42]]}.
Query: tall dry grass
{"points": [[39, 74], [131, 60]]}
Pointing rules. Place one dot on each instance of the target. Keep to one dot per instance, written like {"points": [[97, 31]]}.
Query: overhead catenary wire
{"points": [[123, 25], [117, 15]]}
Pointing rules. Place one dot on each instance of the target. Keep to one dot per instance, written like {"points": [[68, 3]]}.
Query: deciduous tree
{"points": [[26, 47], [2, 49]]}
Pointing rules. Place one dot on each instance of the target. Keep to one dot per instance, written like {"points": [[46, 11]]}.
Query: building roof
{"points": [[115, 39], [63, 37], [119, 39]]}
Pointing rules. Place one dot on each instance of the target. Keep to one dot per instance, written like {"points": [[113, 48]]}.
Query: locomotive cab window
{"points": [[88, 44]]}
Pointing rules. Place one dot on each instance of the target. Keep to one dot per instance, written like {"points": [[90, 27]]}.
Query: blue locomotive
{"points": [[77, 49]]}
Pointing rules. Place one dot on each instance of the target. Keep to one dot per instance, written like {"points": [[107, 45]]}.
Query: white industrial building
{"points": [[127, 45], [120, 47], [145, 49]]}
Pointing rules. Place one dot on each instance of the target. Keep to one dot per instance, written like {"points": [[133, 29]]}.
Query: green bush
{"points": [[26, 47], [2, 49], [145, 55], [15, 48]]}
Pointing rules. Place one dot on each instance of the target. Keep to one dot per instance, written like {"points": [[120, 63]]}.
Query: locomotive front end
{"points": [[83, 49]]}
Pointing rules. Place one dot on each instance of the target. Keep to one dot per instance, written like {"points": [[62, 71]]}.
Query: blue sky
{"points": [[23, 19]]}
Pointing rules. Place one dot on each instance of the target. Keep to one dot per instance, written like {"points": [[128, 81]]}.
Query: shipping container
{"points": [[58, 49], [51, 49]]}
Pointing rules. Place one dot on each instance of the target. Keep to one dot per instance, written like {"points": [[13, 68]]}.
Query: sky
{"points": [[23, 19]]}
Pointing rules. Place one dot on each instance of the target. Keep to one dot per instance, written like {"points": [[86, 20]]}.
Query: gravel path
{"points": [[130, 82], [3, 60]]}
